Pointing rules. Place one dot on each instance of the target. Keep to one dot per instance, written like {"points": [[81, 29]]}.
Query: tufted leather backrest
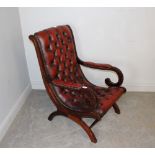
{"points": [[59, 54]]}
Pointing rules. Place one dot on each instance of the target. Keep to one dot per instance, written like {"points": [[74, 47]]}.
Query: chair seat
{"points": [[75, 99], [108, 97], [79, 101]]}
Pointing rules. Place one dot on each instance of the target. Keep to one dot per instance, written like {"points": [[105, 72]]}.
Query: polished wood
{"points": [[116, 108]]}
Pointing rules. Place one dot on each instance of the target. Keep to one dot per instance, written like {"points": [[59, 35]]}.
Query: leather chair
{"points": [[73, 95]]}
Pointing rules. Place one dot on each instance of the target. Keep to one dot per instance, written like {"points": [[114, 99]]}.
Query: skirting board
{"points": [[14, 110], [134, 87]]}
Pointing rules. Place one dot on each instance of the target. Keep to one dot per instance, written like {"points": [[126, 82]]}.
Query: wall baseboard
{"points": [[140, 87], [134, 87], [14, 110], [37, 85]]}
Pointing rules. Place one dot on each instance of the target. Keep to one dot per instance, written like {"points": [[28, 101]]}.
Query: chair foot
{"points": [[116, 108], [85, 127], [53, 114]]}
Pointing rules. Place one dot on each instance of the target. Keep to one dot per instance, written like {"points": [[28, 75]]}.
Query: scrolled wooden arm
{"points": [[105, 67]]}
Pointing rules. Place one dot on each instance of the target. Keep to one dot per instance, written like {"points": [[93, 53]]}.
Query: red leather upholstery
{"points": [[77, 96], [69, 85], [62, 68], [108, 98], [59, 55]]}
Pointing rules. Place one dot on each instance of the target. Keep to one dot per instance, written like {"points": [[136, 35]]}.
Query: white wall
{"points": [[124, 37], [14, 79]]}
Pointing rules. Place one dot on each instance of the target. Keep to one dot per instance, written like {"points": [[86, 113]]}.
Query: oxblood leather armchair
{"points": [[73, 95]]}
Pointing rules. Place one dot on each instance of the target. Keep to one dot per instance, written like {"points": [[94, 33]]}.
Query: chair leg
{"points": [[96, 120], [116, 108], [78, 121], [53, 114], [85, 127]]}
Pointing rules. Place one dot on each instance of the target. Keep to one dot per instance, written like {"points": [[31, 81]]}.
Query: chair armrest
{"points": [[95, 65], [69, 85], [105, 67]]}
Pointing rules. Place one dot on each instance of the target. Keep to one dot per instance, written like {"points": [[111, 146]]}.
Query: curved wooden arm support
{"points": [[77, 120], [105, 67]]}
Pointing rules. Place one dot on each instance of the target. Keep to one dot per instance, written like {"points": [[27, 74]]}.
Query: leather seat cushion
{"points": [[109, 97]]}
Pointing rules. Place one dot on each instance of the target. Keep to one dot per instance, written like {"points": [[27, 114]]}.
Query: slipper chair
{"points": [[69, 90]]}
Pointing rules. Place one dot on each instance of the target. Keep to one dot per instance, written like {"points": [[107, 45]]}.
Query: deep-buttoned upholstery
{"points": [[61, 65]]}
